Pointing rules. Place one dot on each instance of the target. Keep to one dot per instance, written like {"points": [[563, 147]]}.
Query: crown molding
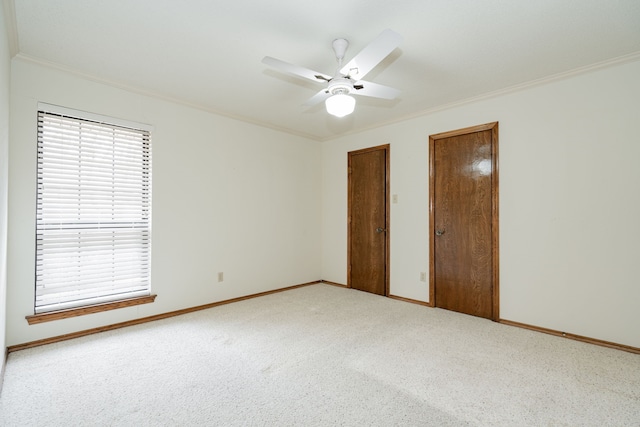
{"points": [[538, 82], [632, 57], [635, 56], [157, 95]]}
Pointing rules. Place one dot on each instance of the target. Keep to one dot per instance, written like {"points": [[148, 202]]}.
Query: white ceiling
{"points": [[208, 53]]}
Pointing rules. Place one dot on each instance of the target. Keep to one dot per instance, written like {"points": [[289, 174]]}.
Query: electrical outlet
{"points": [[423, 276], [220, 276]]}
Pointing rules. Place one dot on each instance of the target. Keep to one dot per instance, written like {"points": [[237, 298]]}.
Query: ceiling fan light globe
{"points": [[340, 105]]}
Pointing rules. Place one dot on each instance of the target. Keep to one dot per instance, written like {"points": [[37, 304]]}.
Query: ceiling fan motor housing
{"points": [[340, 85]]}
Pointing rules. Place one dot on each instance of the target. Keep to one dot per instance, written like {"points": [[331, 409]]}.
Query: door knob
{"points": [[439, 232], [380, 230]]}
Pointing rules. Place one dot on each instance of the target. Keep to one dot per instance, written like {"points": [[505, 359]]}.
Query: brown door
{"points": [[368, 238], [463, 184]]}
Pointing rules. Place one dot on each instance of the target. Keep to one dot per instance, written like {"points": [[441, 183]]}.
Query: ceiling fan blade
{"points": [[375, 90], [295, 70], [372, 54], [317, 98]]}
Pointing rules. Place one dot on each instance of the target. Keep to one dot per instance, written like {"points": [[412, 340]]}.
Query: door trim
{"points": [[493, 127], [387, 149]]}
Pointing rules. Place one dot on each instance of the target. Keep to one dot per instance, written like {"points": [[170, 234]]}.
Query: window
{"points": [[93, 219]]}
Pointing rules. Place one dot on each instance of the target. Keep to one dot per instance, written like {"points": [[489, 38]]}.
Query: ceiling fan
{"points": [[347, 80]]}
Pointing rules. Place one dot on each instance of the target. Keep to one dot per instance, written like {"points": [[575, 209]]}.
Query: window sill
{"points": [[81, 311]]}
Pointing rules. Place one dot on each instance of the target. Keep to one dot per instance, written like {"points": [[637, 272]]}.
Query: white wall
{"points": [[227, 197], [569, 201], [5, 70]]}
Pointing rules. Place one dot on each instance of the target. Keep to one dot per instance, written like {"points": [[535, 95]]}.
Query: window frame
{"points": [[116, 296]]}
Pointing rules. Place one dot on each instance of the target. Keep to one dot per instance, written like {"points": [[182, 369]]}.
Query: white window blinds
{"points": [[93, 220]]}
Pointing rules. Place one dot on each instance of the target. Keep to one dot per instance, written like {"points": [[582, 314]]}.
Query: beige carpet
{"points": [[321, 356]]}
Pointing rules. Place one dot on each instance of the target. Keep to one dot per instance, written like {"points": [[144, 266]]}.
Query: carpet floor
{"points": [[321, 356]]}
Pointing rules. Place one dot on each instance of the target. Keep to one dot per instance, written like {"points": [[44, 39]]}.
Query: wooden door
{"points": [[464, 221], [368, 236]]}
